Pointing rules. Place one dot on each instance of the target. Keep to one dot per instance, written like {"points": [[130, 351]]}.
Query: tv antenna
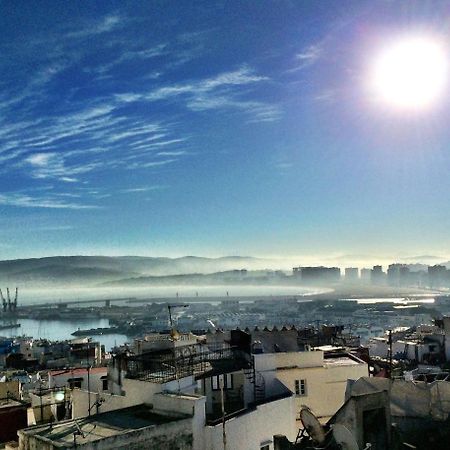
{"points": [[80, 432]]}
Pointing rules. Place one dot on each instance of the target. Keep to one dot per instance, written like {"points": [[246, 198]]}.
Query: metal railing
{"points": [[167, 365]]}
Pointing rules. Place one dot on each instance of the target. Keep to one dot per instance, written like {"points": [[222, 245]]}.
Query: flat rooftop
{"points": [[342, 361], [9, 403], [100, 426]]}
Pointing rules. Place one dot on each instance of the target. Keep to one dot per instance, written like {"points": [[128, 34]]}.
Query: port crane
{"points": [[3, 300], [7, 303]]}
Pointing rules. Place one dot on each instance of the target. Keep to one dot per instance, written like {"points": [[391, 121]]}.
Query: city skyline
{"points": [[245, 128]]}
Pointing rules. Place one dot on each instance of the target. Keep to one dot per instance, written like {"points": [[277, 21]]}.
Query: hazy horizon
{"points": [[282, 262]]}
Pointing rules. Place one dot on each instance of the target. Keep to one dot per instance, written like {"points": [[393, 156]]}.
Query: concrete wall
{"points": [[95, 379], [368, 419], [270, 361], [410, 399], [250, 430], [10, 389], [135, 392], [183, 404], [169, 436]]}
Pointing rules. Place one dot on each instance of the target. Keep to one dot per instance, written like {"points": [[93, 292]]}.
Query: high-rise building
{"points": [[351, 274], [318, 274], [377, 275]]}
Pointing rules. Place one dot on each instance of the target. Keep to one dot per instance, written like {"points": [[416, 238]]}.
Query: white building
{"points": [[318, 382], [95, 378]]}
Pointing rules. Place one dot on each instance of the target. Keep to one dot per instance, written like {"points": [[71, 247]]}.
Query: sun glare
{"points": [[411, 74]]}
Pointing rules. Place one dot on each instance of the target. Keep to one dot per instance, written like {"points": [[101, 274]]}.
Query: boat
{"points": [[7, 326], [95, 331]]}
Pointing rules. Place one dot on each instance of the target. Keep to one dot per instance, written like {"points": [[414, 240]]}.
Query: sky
{"points": [[216, 128]]}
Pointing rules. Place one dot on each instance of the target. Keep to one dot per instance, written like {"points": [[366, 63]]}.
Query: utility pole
{"points": [[222, 400], [89, 390], [41, 405], [390, 353]]}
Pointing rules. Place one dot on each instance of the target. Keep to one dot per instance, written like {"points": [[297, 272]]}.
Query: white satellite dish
{"points": [[343, 437], [312, 426]]}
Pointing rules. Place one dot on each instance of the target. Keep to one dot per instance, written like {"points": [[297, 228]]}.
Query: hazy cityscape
{"points": [[223, 225]]}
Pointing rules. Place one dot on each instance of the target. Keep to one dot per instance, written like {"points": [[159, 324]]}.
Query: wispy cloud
{"points": [[49, 202], [174, 153], [132, 55], [151, 164], [52, 165], [94, 131], [326, 96], [222, 91], [143, 189], [307, 57], [238, 77], [104, 25]]}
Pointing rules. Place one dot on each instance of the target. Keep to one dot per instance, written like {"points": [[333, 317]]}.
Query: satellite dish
{"points": [[312, 426], [344, 438]]}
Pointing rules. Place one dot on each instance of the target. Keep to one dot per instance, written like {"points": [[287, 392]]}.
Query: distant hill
{"points": [[93, 270], [234, 277]]}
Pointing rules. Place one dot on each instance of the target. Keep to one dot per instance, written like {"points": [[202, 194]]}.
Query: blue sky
{"points": [[215, 128]]}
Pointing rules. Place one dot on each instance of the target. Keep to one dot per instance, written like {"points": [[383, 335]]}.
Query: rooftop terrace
{"points": [[101, 426]]}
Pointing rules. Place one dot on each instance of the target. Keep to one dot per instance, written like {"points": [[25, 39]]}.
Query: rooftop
{"points": [[342, 361], [9, 403], [100, 426], [80, 371]]}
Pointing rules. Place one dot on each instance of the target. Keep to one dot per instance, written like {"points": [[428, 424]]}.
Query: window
{"points": [[75, 382], [227, 381], [300, 387], [104, 383]]}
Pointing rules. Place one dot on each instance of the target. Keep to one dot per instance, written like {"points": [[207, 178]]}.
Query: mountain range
{"points": [[95, 270], [87, 271]]}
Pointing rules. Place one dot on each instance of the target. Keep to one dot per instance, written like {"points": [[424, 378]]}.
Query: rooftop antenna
{"points": [[312, 427], [390, 353], [344, 438], [175, 336], [3, 300], [80, 432], [170, 307]]}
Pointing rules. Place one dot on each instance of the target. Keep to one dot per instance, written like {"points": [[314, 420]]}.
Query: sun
{"points": [[411, 73]]}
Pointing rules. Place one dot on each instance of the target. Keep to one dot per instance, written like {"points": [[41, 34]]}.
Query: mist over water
{"points": [[30, 296]]}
